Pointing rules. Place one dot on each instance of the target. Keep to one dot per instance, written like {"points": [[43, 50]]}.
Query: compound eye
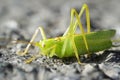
{"points": [[57, 39], [43, 44]]}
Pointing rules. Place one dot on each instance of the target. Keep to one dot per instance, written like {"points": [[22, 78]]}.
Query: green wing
{"points": [[96, 41], [104, 34]]}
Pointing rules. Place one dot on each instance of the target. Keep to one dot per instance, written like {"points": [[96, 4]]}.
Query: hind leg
{"points": [[72, 28], [73, 25]]}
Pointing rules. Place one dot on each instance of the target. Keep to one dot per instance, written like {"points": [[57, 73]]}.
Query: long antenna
{"points": [[6, 41]]}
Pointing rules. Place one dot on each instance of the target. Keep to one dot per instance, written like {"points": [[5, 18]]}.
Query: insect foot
{"points": [[30, 60], [21, 53]]}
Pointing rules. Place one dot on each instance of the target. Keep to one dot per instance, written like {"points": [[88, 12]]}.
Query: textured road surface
{"points": [[20, 18]]}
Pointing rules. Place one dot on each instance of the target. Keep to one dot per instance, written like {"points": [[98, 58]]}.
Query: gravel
{"points": [[20, 18]]}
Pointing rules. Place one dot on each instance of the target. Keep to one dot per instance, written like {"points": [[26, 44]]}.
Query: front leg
{"points": [[32, 40]]}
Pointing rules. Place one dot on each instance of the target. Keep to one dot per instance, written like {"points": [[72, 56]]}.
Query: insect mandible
{"points": [[72, 44]]}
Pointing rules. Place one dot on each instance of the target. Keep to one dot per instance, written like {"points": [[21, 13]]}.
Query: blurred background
{"points": [[24, 16], [20, 18]]}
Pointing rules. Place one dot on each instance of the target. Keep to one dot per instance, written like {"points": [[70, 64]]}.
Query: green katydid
{"points": [[71, 44]]}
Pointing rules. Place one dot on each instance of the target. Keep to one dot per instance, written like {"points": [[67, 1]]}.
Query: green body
{"points": [[96, 41]]}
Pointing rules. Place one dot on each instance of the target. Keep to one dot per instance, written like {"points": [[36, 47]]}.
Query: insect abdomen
{"points": [[93, 46], [96, 41]]}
